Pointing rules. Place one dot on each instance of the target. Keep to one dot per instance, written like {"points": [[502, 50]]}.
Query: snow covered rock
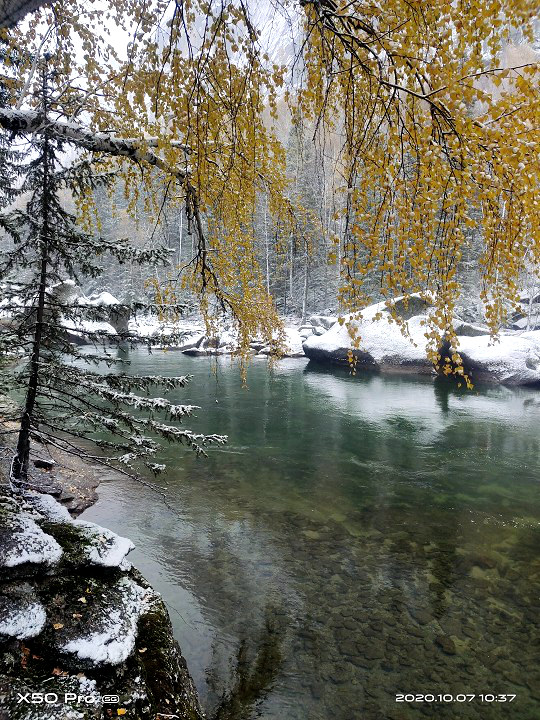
{"points": [[470, 329], [512, 360], [87, 623], [293, 344], [383, 346], [99, 300], [22, 615], [305, 331], [101, 546], [324, 321], [23, 544], [83, 543], [109, 635]]}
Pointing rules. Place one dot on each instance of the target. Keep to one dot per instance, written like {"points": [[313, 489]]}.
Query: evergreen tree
{"points": [[67, 405]]}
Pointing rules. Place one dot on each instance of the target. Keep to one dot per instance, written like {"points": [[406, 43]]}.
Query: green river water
{"points": [[380, 535]]}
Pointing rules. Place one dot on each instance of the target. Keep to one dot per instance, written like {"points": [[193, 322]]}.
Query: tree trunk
{"points": [[266, 243], [306, 285], [19, 467], [21, 459]]}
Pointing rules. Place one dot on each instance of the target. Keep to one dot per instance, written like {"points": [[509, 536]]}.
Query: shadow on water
{"points": [[253, 676]]}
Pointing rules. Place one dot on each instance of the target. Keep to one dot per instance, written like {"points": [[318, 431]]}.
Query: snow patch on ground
{"points": [[115, 640], [21, 617], [28, 544]]}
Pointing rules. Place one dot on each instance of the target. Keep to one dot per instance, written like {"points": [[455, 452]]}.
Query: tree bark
{"points": [[30, 121]]}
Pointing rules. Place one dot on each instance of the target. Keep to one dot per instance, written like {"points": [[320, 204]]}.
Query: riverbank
{"points": [[82, 633]]}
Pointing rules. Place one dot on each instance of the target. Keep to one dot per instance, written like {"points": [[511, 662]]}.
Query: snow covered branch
{"points": [[30, 121]]}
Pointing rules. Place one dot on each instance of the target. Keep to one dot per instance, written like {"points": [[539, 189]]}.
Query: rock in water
{"points": [[514, 359]]}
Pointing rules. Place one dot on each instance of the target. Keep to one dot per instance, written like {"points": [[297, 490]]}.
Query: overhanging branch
{"points": [[30, 121]]}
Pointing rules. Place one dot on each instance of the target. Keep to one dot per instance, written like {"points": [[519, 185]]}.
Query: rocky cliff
{"points": [[82, 634]]}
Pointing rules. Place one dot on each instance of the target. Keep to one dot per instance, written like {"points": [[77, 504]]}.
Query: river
{"points": [[368, 536]]}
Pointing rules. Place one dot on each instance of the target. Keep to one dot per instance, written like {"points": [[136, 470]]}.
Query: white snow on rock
{"points": [[25, 542], [114, 639], [21, 617], [293, 342], [381, 339], [324, 321], [105, 547], [93, 326], [512, 359], [47, 506]]}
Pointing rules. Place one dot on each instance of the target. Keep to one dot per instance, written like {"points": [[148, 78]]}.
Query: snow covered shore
{"points": [[514, 359]]}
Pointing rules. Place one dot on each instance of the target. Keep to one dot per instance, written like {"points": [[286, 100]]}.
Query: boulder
{"points": [[462, 327], [293, 344], [22, 615], [383, 346], [513, 359], [325, 321], [24, 546]]}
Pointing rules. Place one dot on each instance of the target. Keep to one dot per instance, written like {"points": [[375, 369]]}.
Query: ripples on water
{"points": [[387, 529]]}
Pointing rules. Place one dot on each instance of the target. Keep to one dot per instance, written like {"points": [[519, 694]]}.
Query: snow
{"points": [[105, 548], [99, 300], [114, 643], [28, 544], [381, 338], [47, 506], [513, 359], [92, 326], [293, 341], [150, 326], [21, 618]]}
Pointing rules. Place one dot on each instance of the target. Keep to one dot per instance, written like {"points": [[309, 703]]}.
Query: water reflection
{"points": [[387, 529]]}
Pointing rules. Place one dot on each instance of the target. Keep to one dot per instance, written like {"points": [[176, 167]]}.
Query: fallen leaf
{"points": [[57, 626], [141, 650], [82, 599], [77, 615], [121, 711], [59, 672]]}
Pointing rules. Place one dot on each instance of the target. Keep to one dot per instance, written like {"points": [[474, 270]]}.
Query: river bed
{"points": [[381, 534]]}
